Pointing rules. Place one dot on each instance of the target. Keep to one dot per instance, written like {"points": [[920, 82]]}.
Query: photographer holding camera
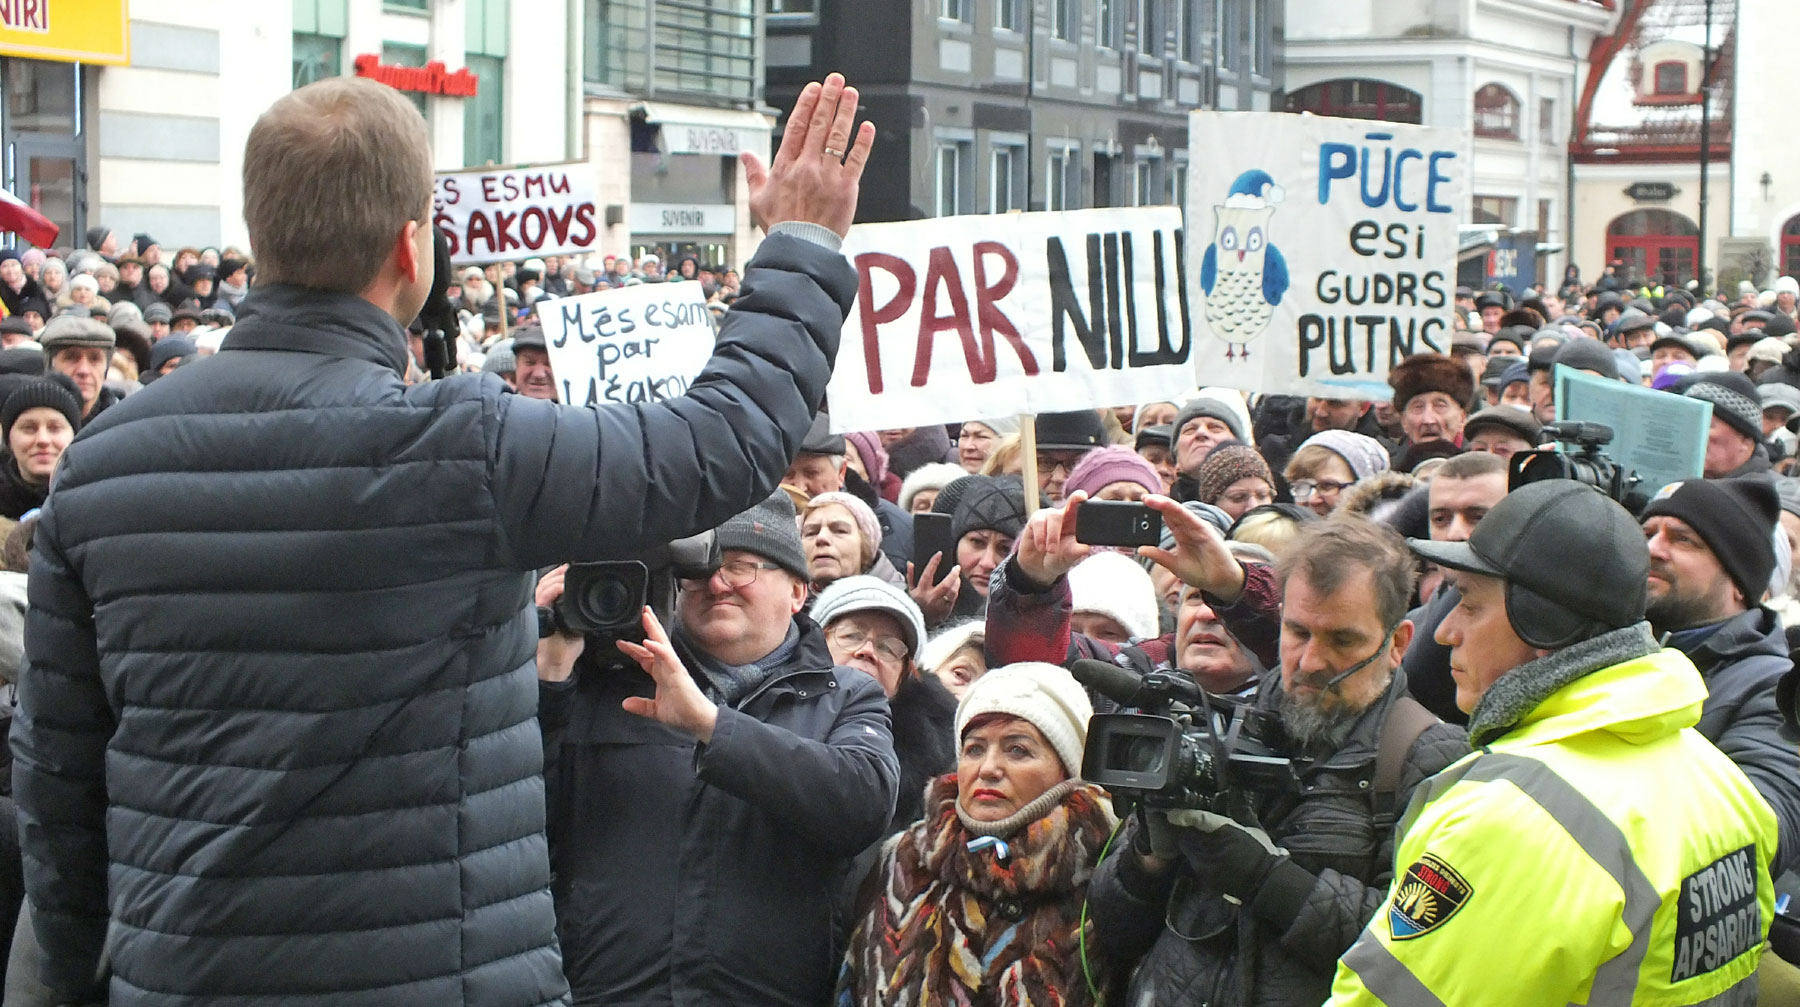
{"points": [[704, 809], [1218, 912], [276, 738]]}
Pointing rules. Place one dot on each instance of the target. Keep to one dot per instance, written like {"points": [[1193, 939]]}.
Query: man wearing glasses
{"points": [[702, 813]]}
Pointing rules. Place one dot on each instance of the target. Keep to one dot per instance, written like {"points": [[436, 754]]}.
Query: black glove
{"points": [[1228, 858]]}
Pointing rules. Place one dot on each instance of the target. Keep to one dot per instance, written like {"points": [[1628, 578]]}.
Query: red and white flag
{"points": [[16, 216]]}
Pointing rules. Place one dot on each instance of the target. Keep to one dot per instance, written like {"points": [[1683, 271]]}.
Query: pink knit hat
{"points": [[864, 517], [874, 456], [1101, 468]]}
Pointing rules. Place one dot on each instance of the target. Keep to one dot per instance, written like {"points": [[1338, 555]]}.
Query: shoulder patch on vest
{"points": [[1718, 917], [1429, 893]]}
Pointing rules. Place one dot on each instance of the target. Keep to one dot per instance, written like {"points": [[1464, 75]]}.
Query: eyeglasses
{"points": [[1303, 488], [1050, 463], [736, 574], [850, 640]]}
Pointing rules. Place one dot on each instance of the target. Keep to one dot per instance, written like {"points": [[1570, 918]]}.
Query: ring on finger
{"points": [[831, 152]]}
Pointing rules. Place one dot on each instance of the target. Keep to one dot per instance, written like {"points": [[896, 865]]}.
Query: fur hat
{"points": [[863, 593], [769, 530], [935, 476], [1043, 695], [1431, 372], [1114, 585]]}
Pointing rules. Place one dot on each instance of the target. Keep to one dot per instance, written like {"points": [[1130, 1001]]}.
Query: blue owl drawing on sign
{"points": [[1243, 275]]}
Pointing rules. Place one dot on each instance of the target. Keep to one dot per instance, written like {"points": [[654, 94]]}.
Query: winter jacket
{"points": [[947, 924], [1591, 850], [923, 446], [1281, 946], [707, 874], [924, 742], [276, 737], [1741, 662]]}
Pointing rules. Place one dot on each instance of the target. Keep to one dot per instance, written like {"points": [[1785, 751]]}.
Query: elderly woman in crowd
{"points": [[956, 655], [978, 440], [1113, 599], [1330, 462], [920, 490], [1113, 473], [1235, 479], [842, 538], [981, 901], [865, 455]]}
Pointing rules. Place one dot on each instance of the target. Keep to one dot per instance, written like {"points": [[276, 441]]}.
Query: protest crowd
{"points": [[319, 697]]}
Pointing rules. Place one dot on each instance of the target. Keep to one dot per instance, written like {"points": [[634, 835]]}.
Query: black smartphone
{"points": [[1116, 522], [932, 535]]}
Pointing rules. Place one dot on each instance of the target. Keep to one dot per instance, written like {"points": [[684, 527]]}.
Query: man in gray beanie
{"points": [[719, 792]]}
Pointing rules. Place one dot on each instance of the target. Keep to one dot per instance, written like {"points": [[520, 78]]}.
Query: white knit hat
{"points": [[1113, 585], [1043, 695], [935, 476], [871, 594], [1004, 426], [950, 639]]}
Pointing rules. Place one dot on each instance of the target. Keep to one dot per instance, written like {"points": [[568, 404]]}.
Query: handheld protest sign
{"points": [[634, 344], [496, 214], [961, 317], [1028, 455], [1323, 250]]}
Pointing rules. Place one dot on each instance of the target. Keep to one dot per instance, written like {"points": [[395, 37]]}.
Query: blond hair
{"points": [[1007, 458], [332, 173]]}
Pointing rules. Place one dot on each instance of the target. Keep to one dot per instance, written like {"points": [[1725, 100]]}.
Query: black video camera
{"points": [[1588, 464], [1186, 749], [605, 601]]}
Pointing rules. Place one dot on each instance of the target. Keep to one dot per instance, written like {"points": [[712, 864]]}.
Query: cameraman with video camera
{"points": [[1225, 912], [277, 731], [705, 803]]}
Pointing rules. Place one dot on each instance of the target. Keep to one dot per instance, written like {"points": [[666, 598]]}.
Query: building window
{"points": [[1262, 59], [707, 47], [1544, 228], [484, 138], [1106, 24], [1063, 175], [1496, 113], [1179, 196], [316, 57], [410, 5], [1005, 186], [1672, 78], [1499, 210], [791, 6], [955, 10], [618, 44], [1547, 131], [1006, 15], [1188, 30], [1064, 20], [395, 54], [1144, 191], [1150, 27], [953, 163], [1227, 26], [1359, 99]]}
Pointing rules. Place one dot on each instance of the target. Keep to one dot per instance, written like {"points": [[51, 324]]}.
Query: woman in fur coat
{"points": [[980, 902]]}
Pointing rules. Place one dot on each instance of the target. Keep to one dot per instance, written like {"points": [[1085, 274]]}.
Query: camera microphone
{"points": [[438, 316], [1109, 680]]}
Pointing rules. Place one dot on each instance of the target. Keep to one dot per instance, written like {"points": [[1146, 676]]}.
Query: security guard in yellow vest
{"points": [[1594, 849]]}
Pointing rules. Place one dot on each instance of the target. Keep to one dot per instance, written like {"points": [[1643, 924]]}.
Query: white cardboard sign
{"points": [[632, 344], [516, 213]]}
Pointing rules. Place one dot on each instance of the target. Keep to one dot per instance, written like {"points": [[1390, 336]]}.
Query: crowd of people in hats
{"points": [[1518, 745]]}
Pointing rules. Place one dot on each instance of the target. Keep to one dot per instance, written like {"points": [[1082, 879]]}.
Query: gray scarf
{"points": [[731, 682], [1520, 691]]}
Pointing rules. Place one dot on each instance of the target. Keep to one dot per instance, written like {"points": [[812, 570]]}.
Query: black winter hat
{"points": [[51, 391], [820, 440], [770, 529], [1778, 326], [229, 266], [1599, 582], [1077, 430], [952, 494], [197, 272], [172, 348], [990, 502], [1734, 400], [23, 360], [1735, 518]]}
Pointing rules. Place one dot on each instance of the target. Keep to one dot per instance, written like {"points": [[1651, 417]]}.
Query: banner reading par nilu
{"points": [[1323, 250], [962, 318]]}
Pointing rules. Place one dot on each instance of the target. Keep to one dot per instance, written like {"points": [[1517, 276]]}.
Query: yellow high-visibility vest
{"points": [[1602, 852]]}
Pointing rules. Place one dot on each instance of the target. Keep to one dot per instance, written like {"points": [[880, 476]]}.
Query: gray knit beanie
{"points": [[771, 530]]}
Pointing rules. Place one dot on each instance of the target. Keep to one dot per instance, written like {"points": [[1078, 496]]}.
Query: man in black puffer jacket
{"points": [[276, 738], [1213, 912]]}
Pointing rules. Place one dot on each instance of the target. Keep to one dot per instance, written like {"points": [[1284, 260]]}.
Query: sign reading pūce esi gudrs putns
{"points": [[1322, 251]]}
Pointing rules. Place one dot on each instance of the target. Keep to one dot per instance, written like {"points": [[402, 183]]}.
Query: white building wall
{"points": [[1763, 142]]}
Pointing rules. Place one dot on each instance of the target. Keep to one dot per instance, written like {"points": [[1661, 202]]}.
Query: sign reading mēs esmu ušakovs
{"points": [[494, 214]]}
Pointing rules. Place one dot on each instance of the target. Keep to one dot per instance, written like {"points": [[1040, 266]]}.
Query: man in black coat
{"points": [[1257, 912], [276, 738], [698, 855], [1712, 552]]}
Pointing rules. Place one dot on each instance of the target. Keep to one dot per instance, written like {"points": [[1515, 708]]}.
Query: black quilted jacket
{"points": [[277, 738], [1192, 946]]}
